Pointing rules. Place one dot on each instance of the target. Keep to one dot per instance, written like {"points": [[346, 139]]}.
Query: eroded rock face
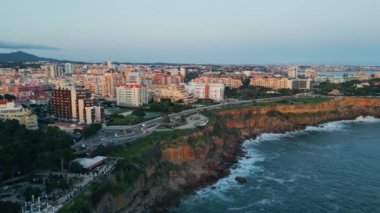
{"points": [[207, 155]]}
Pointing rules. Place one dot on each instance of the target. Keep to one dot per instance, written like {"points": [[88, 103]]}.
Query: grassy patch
{"points": [[130, 151], [118, 119], [151, 115], [78, 203], [123, 186], [304, 100], [124, 120], [123, 110], [204, 102]]}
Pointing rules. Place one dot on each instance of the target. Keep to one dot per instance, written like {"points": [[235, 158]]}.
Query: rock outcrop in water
{"points": [[241, 180], [190, 162]]}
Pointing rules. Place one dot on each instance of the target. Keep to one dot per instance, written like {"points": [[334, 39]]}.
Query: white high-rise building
{"points": [[69, 68], [52, 71], [132, 94], [61, 70], [109, 64], [293, 72], [93, 114], [182, 71]]}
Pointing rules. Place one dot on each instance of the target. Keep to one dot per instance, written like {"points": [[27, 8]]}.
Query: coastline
{"points": [[190, 162], [251, 164], [247, 157], [231, 161]]}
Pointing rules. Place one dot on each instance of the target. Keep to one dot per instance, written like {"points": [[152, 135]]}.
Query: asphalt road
{"points": [[123, 134]]}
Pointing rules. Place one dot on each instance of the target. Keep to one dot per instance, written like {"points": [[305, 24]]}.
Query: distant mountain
{"points": [[20, 56]]}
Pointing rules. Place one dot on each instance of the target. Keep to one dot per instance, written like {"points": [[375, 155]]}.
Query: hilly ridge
{"points": [[21, 56]]}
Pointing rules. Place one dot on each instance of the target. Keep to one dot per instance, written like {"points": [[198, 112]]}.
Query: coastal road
{"points": [[126, 133]]}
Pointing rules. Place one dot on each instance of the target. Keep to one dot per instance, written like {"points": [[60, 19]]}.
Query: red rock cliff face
{"points": [[208, 154], [251, 121], [307, 108]]}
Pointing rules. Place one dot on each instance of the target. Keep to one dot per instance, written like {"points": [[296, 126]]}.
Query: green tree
{"points": [[23, 151], [138, 113], [9, 207], [91, 130], [75, 167], [246, 82], [30, 192], [9, 97]]}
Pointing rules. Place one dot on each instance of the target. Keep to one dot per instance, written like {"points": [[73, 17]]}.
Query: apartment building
{"points": [[109, 84], [272, 82], [310, 73], [164, 79], [300, 84], [11, 111], [293, 72], [226, 81], [172, 91], [75, 105], [131, 94], [213, 91]]}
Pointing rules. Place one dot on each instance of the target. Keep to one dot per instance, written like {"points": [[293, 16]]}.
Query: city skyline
{"points": [[201, 32]]}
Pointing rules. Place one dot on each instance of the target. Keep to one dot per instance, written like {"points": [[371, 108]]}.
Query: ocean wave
{"points": [[248, 164], [325, 127], [367, 119], [249, 207]]}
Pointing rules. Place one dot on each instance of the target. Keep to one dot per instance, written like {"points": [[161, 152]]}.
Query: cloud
{"points": [[14, 45]]}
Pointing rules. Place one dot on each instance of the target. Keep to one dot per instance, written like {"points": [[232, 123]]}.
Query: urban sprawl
{"points": [[129, 101]]}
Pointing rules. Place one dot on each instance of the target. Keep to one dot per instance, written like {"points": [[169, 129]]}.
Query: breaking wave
{"points": [[250, 162]]}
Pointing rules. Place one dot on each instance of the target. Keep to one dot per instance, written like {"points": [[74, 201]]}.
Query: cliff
{"points": [[183, 164]]}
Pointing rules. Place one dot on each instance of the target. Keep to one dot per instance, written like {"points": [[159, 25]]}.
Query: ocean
{"points": [[333, 167], [341, 73]]}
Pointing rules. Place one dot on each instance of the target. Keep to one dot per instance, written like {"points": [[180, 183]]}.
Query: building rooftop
{"points": [[89, 163]]}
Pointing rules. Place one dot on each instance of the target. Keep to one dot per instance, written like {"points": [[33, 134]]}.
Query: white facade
{"points": [[93, 114], [132, 94], [206, 91], [81, 111], [299, 84], [98, 114], [293, 72], [109, 64], [52, 71], [182, 71], [10, 111], [74, 105], [88, 111], [69, 68], [135, 77]]}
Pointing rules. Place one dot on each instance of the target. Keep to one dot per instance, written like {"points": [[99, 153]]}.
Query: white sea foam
{"points": [[248, 164], [326, 127], [264, 202], [367, 119], [248, 208]]}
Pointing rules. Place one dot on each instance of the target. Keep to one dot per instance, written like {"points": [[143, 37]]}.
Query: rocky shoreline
{"points": [[190, 162]]}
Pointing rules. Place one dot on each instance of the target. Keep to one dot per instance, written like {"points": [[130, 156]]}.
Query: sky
{"points": [[195, 31]]}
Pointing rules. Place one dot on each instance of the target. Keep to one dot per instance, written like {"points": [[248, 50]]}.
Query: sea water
{"points": [[333, 167]]}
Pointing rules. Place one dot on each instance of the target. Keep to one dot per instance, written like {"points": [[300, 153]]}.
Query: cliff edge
{"points": [[177, 166]]}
